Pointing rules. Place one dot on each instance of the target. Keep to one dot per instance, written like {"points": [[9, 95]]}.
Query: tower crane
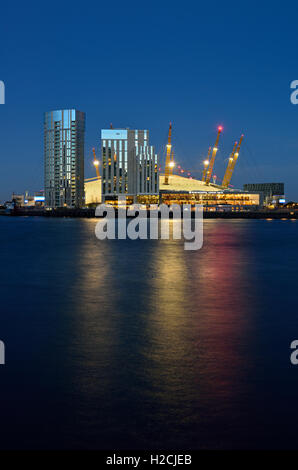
{"points": [[230, 169], [168, 156], [214, 151], [96, 163], [206, 164]]}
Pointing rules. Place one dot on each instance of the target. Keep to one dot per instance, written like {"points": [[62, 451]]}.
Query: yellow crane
{"points": [[168, 157], [206, 164], [231, 158], [96, 163], [214, 151], [172, 163], [231, 164]]}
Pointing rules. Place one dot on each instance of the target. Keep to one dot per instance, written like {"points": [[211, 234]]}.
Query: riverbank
{"points": [[90, 213]]}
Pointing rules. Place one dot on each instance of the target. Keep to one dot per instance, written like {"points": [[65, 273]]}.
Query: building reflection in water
{"points": [[91, 339], [200, 327], [159, 335]]}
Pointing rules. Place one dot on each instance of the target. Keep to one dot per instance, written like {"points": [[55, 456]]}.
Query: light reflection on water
{"points": [[142, 344]]}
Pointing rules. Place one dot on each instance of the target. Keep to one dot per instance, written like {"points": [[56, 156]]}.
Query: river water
{"points": [[122, 344]]}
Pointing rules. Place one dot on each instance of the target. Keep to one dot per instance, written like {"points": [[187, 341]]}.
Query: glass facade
{"points": [[129, 164], [64, 133]]}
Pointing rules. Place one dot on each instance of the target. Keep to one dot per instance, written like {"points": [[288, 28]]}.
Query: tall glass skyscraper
{"points": [[129, 164], [64, 135]]}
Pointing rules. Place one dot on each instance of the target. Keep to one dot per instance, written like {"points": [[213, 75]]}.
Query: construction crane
{"points": [[231, 158], [168, 156], [206, 164], [231, 165], [172, 163], [96, 163], [214, 151]]}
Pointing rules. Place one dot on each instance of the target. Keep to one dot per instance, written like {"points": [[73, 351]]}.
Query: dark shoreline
{"points": [[90, 213]]}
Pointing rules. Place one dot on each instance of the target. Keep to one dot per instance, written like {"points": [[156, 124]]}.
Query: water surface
{"points": [[140, 344]]}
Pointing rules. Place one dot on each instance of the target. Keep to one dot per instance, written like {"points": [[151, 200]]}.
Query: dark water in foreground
{"points": [[140, 344]]}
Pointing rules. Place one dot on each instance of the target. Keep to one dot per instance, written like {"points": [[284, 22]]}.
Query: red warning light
{"points": [[220, 128]]}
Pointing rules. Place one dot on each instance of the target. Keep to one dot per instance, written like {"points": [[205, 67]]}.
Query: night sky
{"points": [[143, 64]]}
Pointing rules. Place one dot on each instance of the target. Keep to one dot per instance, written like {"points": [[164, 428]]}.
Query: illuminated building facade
{"points": [[92, 191], [188, 191], [64, 132], [213, 201], [182, 190], [129, 164], [25, 200]]}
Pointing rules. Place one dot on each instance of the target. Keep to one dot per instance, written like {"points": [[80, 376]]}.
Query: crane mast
{"points": [[224, 181], [172, 163], [206, 163], [230, 169], [168, 156], [96, 163], [214, 151]]}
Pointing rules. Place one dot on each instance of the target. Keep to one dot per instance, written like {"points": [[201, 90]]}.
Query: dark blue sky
{"points": [[142, 64]]}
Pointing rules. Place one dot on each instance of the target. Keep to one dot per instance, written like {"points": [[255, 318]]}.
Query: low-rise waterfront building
{"points": [[182, 190], [93, 194], [27, 200], [190, 191], [273, 193]]}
